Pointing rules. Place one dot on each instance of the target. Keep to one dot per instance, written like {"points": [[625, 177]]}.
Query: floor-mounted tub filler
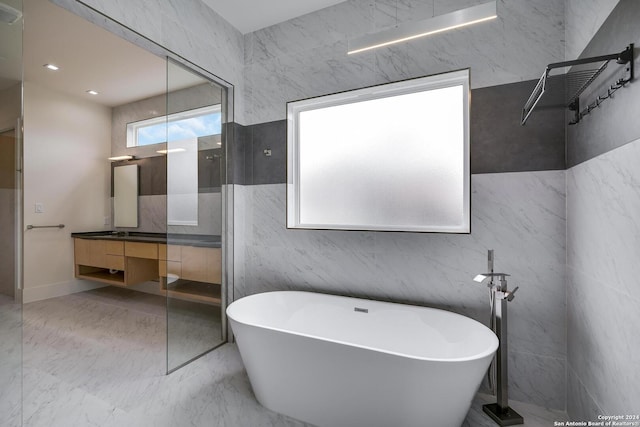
{"points": [[336, 361]]}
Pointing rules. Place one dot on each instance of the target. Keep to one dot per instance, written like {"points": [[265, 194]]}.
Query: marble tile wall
{"points": [[527, 234], [614, 122], [520, 215], [306, 56], [603, 197], [583, 18], [152, 214], [602, 231]]}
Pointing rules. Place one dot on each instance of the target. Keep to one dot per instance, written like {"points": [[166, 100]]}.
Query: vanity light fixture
{"points": [[51, 67], [120, 158], [413, 30], [171, 150], [92, 92]]}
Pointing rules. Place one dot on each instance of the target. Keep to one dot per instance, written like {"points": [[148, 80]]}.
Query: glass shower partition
{"points": [[191, 268], [10, 213]]}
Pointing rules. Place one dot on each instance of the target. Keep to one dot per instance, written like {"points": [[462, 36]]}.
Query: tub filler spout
{"points": [[500, 412]]}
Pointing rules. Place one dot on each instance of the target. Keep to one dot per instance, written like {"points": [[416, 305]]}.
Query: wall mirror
{"points": [[125, 196], [393, 157]]}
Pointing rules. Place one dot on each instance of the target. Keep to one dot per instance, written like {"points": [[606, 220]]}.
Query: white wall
{"points": [[66, 144]]}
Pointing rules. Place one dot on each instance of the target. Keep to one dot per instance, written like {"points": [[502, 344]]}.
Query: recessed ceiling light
{"points": [[92, 92], [51, 67]]}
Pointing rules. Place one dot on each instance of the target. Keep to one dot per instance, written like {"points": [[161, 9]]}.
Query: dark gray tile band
{"points": [[210, 170], [268, 168], [498, 142], [615, 123], [237, 153]]}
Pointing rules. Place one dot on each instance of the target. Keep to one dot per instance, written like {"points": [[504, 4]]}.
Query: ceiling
{"points": [[89, 57], [264, 13]]}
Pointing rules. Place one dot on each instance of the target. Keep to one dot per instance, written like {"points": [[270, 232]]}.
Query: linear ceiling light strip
{"points": [[413, 30]]}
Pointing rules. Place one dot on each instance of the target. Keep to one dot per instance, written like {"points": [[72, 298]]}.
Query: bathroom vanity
{"points": [[188, 267]]}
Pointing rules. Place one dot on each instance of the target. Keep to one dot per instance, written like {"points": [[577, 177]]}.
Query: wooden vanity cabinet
{"points": [[115, 262], [170, 260], [195, 263], [127, 263], [115, 255], [200, 269], [99, 253], [201, 264]]}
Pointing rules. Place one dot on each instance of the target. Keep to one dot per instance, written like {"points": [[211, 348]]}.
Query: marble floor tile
{"points": [[534, 416], [97, 359], [10, 359]]}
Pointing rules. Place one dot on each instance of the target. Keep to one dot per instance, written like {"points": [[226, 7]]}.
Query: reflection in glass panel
{"points": [[192, 269], [10, 213], [185, 124]]}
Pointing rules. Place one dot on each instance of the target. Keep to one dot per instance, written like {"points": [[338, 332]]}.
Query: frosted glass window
{"points": [[390, 157]]}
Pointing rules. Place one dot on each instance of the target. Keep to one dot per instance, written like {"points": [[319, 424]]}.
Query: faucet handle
{"points": [[510, 294]]}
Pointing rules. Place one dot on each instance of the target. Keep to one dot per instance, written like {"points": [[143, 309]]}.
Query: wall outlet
{"points": [[107, 221], [39, 208]]}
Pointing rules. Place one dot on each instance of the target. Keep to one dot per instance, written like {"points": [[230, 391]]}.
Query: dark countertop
{"points": [[207, 241]]}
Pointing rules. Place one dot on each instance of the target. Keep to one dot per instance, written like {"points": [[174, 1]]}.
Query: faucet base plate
{"points": [[502, 416]]}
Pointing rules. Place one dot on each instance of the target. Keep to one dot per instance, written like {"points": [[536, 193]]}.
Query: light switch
{"points": [[39, 208]]}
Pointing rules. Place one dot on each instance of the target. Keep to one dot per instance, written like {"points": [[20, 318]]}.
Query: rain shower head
{"points": [[9, 15]]}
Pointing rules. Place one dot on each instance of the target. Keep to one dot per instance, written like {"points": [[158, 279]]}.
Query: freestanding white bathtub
{"points": [[343, 362]]}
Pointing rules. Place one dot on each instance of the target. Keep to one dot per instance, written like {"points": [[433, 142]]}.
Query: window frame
{"points": [[427, 83]]}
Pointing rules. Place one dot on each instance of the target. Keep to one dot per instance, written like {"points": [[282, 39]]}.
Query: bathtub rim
{"points": [[492, 336]]}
